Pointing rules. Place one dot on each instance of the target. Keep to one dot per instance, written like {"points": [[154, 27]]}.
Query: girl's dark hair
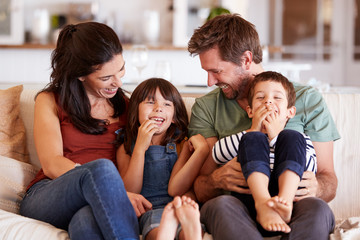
{"points": [[81, 50], [146, 90]]}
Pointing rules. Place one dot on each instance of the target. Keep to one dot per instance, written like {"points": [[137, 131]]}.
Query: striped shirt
{"points": [[227, 148]]}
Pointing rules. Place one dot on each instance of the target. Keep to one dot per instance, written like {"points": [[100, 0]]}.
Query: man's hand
{"points": [[230, 178], [309, 186], [140, 204]]}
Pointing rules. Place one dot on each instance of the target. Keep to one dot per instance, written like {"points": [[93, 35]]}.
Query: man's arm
{"points": [[212, 180], [325, 183]]}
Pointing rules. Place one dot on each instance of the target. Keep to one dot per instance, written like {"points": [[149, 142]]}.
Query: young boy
{"points": [[268, 153]]}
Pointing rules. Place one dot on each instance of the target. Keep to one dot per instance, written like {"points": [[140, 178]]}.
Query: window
{"points": [[302, 28]]}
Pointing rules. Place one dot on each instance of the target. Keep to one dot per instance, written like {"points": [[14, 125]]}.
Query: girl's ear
{"points": [[82, 79], [291, 112], [249, 111]]}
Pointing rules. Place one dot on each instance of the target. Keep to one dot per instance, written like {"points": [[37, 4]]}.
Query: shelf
{"points": [[125, 46]]}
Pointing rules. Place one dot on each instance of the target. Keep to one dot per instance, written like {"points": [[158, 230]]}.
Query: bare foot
{"points": [[282, 207], [269, 219], [188, 214], [169, 222]]}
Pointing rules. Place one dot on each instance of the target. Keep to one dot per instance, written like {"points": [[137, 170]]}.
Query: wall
{"points": [[33, 66]]}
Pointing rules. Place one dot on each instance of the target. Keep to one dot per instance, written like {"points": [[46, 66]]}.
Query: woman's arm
{"points": [[48, 139], [188, 165]]}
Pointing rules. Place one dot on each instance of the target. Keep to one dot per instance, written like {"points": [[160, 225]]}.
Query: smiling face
{"points": [[159, 110], [105, 81], [230, 77], [273, 96]]}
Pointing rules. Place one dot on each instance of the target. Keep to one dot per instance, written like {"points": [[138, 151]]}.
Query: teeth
{"points": [[111, 89], [223, 86], [158, 119]]}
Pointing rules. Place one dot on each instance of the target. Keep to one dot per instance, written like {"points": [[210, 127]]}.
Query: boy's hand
{"points": [[273, 124], [258, 117]]}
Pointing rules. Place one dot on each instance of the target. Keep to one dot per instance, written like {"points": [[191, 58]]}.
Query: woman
{"points": [[76, 116]]}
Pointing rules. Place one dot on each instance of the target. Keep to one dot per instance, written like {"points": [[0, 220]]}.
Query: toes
{"points": [[177, 202]]}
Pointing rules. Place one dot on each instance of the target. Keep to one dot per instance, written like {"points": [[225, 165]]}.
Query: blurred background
{"points": [[316, 42]]}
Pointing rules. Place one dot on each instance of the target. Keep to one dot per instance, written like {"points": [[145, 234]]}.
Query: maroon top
{"points": [[81, 147]]}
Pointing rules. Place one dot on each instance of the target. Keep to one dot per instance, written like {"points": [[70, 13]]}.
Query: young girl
{"points": [[154, 158]]}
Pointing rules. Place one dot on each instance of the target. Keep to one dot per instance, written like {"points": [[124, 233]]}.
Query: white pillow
{"points": [[14, 177], [16, 227]]}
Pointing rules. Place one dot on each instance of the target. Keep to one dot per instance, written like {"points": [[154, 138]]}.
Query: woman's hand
{"points": [[139, 203]]}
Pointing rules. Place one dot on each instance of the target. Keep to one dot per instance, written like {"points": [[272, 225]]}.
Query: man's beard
{"points": [[240, 90]]}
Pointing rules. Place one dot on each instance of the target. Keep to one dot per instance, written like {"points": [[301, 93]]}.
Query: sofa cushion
{"points": [[16, 227], [12, 130], [14, 177]]}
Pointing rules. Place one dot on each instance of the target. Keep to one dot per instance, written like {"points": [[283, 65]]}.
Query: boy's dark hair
{"points": [[274, 77]]}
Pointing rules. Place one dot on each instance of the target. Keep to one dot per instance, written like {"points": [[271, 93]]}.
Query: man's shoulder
{"points": [[306, 94], [302, 89], [211, 96]]}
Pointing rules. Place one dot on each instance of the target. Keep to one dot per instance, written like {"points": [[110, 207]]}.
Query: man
{"points": [[229, 50]]}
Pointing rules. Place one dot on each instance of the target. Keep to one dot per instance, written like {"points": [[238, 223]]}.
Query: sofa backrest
{"points": [[344, 109]]}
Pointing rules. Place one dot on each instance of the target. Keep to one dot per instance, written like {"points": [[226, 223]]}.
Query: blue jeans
{"points": [[89, 201]]}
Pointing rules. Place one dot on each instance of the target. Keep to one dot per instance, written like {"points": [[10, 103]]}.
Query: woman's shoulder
{"points": [[45, 98]]}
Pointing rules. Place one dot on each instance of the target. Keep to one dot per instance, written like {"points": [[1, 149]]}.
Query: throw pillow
{"points": [[15, 176], [12, 130]]}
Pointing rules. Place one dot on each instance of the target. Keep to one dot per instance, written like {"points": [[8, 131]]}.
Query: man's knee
{"points": [[315, 210]]}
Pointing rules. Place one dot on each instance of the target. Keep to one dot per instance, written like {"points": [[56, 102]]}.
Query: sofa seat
{"points": [[344, 107]]}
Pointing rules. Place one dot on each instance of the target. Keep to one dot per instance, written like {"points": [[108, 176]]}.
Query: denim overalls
{"points": [[159, 162]]}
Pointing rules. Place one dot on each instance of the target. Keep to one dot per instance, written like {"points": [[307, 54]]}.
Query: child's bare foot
{"points": [[188, 214], [269, 219], [169, 222], [282, 207]]}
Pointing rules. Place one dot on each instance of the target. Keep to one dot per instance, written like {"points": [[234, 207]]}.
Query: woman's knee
{"points": [[83, 225], [102, 171], [102, 166]]}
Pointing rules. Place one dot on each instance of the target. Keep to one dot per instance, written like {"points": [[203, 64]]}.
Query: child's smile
{"points": [[159, 110]]}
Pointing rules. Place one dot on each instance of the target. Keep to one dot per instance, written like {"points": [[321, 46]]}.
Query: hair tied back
{"points": [[72, 28]]}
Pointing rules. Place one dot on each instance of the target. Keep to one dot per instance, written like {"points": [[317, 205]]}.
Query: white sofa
{"points": [[15, 175]]}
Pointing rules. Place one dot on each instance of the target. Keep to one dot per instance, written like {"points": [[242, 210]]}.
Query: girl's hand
{"points": [[198, 142], [145, 134], [273, 124]]}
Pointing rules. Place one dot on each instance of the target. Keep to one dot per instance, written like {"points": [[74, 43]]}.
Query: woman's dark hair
{"points": [[146, 90], [81, 50]]}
